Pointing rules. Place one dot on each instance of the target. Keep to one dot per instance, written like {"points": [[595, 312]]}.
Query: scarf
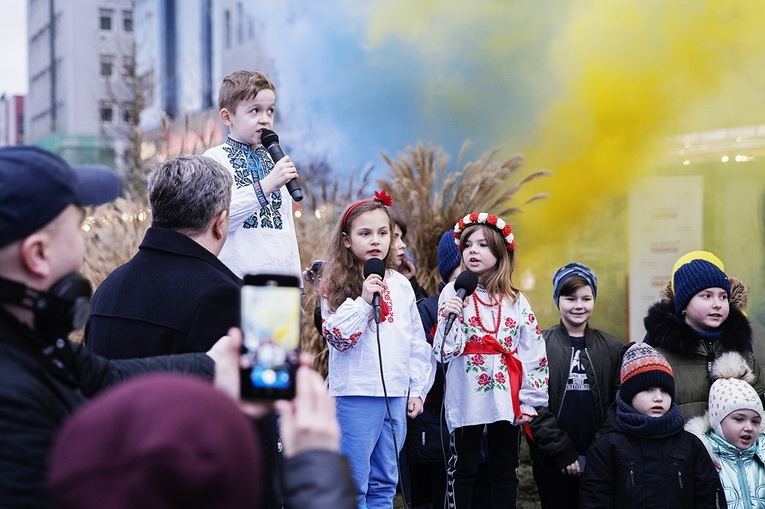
{"points": [[643, 426]]}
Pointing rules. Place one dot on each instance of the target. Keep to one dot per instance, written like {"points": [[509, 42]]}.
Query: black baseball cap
{"points": [[36, 186]]}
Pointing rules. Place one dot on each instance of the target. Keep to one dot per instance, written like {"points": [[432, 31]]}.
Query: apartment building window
{"points": [[128, 66], [105, 16], [107, 112], [107, 66], [129, 113], [127, 21]]}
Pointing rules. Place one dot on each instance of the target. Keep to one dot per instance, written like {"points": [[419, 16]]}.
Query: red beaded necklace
{"points": [[476, 300]]}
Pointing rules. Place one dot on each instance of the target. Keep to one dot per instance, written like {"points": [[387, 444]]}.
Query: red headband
{"points": [[380, 196]]}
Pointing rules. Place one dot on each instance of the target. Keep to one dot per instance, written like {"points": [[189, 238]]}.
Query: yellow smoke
{"points": [[629, 73], [615, 79], [609, 81]]}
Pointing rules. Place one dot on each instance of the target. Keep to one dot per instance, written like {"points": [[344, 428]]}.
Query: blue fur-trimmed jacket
{"points": [[742, 473]]}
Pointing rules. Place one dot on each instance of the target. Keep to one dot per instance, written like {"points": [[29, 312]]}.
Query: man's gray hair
{"points": [[187, 192]]}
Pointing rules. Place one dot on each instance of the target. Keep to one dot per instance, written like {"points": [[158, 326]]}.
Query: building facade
{"points": [[81, 101]]}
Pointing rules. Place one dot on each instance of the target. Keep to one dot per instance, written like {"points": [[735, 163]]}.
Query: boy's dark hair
{"points": [[572, 284], [240, 86]]}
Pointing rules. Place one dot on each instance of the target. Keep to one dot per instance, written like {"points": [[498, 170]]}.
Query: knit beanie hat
{"points": [[161, 441], [728, 395], [695, 255], [642, 368], [448, 255], [573, 269], [731, 389], [694, 276]]}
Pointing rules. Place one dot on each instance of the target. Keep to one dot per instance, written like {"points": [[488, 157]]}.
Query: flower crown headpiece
{"points": [[488, 219], [380, 196]]}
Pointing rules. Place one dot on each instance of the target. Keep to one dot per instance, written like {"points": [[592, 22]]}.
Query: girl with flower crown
{"points": [[372, 405], [497, 364]]}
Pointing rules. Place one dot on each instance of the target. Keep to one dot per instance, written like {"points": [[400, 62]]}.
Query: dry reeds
{"points": [[315, 218], [430, 199], [114, 232]]}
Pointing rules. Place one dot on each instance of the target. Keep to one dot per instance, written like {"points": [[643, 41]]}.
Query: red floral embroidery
{"points": [[474, 338], [335, 338], [532, 318], [386, 306], [543, 362], [510, 323], [484, 379], [538, 331], [500, 378], [477, 360], [473, 321]]}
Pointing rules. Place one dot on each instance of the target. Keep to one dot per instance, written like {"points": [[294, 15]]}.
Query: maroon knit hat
{"points": [[160, 441]]}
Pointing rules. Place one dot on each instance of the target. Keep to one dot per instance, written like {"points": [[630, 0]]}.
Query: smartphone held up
{"points": [[271, 327]]}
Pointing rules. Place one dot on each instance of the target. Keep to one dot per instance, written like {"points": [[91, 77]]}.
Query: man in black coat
{"points": [[44, 377], [175, 295]]}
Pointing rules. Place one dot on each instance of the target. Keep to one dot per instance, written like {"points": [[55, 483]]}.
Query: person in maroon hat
{"points": [[43, 376], [171, 441]]}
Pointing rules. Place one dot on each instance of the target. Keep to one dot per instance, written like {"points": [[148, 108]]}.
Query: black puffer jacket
{"points": [[39, 390], [690, 354], [625, 471], [602, 360]]}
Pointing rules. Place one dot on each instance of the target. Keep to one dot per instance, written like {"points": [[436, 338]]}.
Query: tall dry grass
{"points": [[324, 200], [430, 199], [114, 231]]}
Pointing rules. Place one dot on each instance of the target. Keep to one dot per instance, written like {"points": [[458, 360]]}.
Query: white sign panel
{"points": [[665, 222]]}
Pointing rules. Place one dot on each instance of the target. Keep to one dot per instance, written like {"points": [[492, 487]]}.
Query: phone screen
{"points": [[271, 327]]}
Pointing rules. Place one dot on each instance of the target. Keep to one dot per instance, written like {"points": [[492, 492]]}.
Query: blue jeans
{"points": [[365, 438]]}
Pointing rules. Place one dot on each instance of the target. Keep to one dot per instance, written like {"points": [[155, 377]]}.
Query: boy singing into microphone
{"points": [[261, 232]]}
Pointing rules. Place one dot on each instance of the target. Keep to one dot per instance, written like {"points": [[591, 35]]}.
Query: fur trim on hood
{"points": [[698, 426], [667, 329], [739, 293]]}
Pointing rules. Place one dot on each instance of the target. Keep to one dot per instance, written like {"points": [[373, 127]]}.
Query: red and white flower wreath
{"points": [[487, 219]]}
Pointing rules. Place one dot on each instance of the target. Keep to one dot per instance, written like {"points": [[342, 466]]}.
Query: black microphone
{"points": [[465, 285], [270, 140], [376, 266]]}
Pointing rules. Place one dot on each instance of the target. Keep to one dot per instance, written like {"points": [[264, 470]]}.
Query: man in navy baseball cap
{"points": [[43, 376]]}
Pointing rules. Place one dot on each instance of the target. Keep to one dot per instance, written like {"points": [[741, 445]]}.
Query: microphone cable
{"points": [[390, 415]]}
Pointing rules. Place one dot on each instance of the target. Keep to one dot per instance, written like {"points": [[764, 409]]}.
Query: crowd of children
{"points": [[604, 422]]}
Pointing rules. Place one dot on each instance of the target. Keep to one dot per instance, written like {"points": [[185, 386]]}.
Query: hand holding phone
{"points": [[271, 327]]}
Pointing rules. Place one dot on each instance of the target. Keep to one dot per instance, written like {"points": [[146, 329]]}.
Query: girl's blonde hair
{"points": [[499, 280], [341, 277]]}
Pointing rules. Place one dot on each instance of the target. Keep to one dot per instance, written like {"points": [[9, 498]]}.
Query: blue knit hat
{"points": [[573, 269], [448, 255], [695, 276]]}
